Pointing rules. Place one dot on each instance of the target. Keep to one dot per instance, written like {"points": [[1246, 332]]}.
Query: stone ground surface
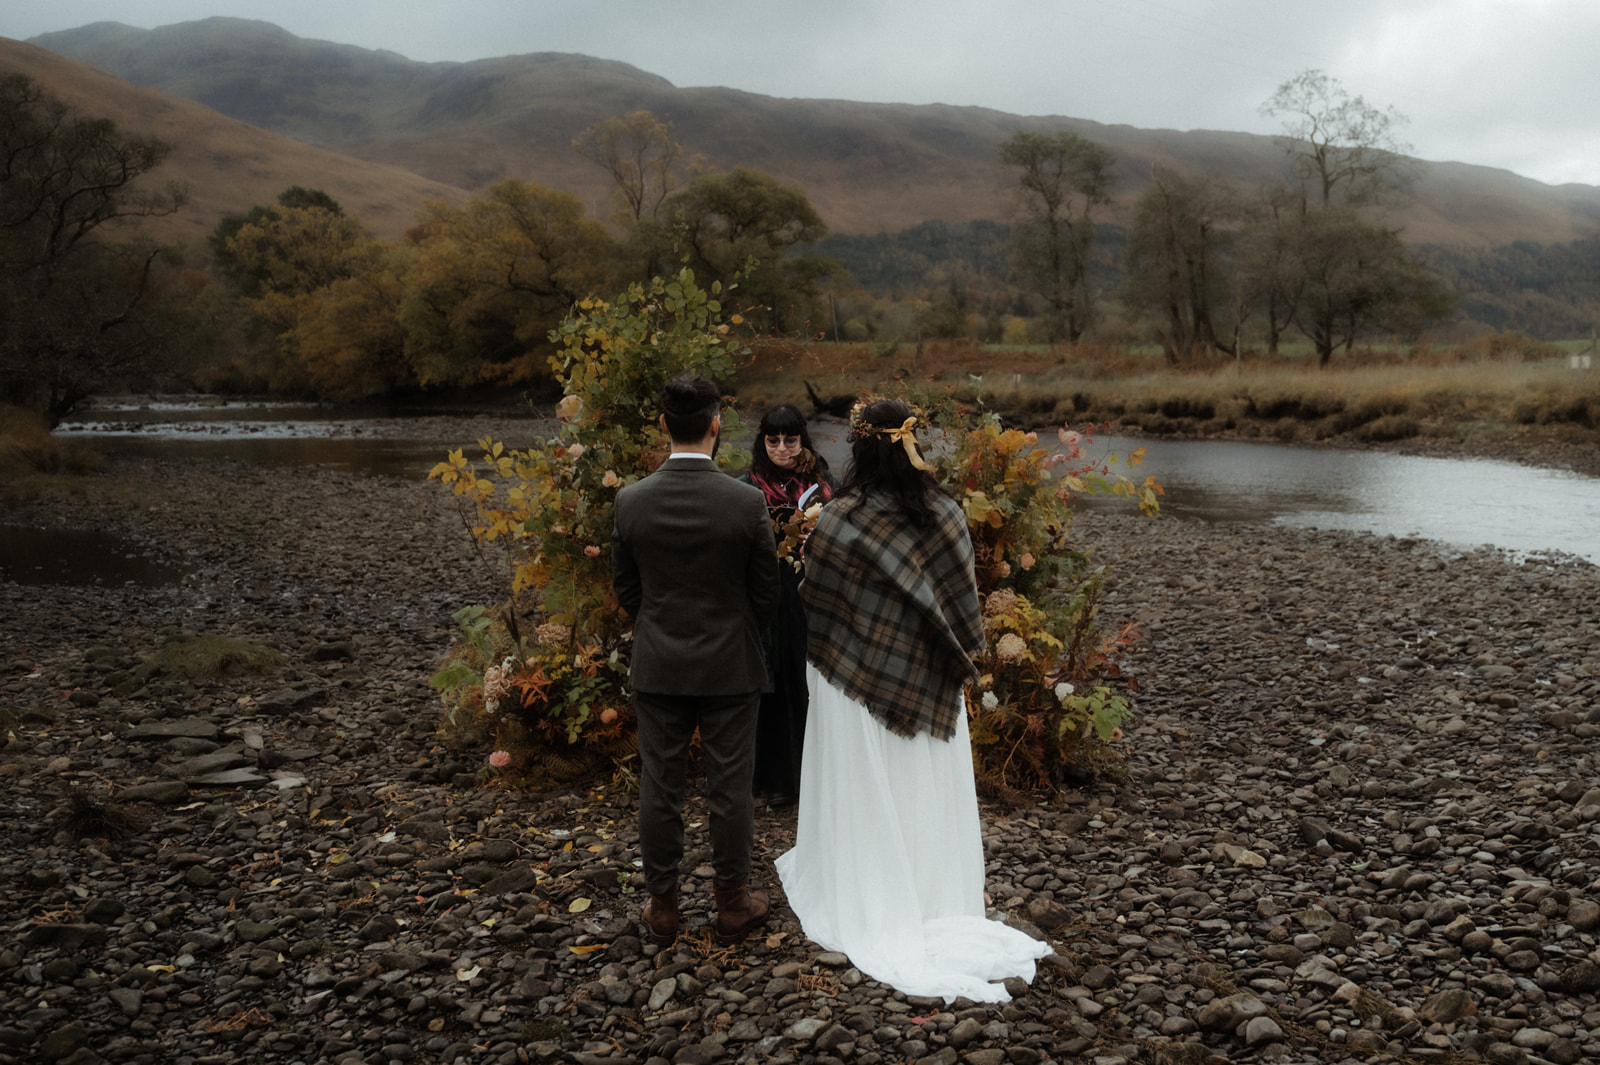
{"points": [[1361, 820]]}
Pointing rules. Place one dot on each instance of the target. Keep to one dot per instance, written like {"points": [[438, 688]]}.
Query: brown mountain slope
{"points": [[229, 166], [867, 167]]}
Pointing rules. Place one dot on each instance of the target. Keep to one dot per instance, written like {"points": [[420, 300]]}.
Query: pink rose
{"points": [[1027, 561], [569, 408], [611, 480], [592, 551], [500, 759], [575, 451]]}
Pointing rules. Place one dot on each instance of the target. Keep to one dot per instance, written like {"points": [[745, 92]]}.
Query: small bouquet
{"points": [[794, 525]]}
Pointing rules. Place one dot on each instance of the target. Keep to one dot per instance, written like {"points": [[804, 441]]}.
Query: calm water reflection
{"points": [[1464, 502]]}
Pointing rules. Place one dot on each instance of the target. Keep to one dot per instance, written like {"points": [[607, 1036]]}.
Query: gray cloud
{"points": [[1505, 83]]}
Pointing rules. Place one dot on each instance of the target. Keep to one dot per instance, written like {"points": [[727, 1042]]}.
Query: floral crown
{"points": [[904, 434]]}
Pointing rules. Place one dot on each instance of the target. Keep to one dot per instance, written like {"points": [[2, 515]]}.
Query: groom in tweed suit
{"points": [[695, 566]]}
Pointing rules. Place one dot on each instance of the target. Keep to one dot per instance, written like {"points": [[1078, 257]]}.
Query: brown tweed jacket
{"points": [[892, 611]]}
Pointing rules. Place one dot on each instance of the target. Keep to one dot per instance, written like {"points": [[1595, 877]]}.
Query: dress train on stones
{"points": [[887, 865]]}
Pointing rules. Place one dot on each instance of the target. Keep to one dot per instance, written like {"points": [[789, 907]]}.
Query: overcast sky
{"points": [[1505, 83]]}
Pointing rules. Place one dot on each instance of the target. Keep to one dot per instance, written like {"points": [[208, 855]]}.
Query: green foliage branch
{"points": [[542, 675], [1051, 698]]}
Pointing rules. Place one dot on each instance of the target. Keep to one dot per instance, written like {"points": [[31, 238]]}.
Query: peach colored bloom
{"points": [[1027, 561], [496, 683], [575, 451], [569, 408], [552, 634], [592, 551], [611, 480], [500, 759]]}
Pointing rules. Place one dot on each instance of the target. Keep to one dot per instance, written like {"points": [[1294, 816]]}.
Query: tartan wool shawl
{"points": [[892, 611]]}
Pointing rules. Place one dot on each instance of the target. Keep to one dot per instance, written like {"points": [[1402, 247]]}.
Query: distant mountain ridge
{"points": [[228, 166], [866, 167]]}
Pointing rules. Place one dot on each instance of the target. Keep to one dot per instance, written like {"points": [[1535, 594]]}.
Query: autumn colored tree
{"points": [[223, 260], [492, 277], [292, 258], [348, 335], [78, 308], [743, 227], [1061, 180]]}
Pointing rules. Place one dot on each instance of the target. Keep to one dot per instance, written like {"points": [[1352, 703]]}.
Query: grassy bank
{"points": [[38, 465], [33, 461], [1488, 391]]}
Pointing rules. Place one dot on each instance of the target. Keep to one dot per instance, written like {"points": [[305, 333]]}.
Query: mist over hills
{"points": [[432, 129]]}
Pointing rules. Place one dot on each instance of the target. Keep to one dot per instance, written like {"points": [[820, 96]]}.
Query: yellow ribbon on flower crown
{"points": [[906, 437]]}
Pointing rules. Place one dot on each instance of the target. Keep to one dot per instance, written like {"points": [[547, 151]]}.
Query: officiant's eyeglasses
{"points": [[783, 441]]}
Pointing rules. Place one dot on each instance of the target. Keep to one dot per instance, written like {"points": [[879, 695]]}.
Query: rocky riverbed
{"points": [[1361, 819]]}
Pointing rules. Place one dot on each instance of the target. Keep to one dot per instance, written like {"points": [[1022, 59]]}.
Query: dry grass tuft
{"points": [[91, 816], [1490, 389], [30, 452], [214, 656]]}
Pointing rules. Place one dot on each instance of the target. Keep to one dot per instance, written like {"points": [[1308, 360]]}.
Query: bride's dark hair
{"points": [[879, 465]]}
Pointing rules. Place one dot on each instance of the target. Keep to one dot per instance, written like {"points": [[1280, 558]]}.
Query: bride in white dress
{"points": [[887, 865]]}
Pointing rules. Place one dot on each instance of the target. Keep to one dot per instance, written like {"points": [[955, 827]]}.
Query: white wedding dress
{"points": [[887, 865]]}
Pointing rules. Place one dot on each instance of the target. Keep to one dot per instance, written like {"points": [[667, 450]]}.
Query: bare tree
{"points": [[1062, 179], [1322, 259], [75, 306], [1180, 271], [1342, 147], [638, 152]]}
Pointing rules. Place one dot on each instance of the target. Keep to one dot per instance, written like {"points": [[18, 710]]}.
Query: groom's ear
{"points": [[662, 421]]}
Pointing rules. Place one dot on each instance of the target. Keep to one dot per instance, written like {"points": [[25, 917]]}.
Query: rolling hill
{"points": [[428, 129], [229, 166]]}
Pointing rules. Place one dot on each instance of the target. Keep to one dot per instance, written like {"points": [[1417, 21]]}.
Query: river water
{"points": [[1464, 503]]}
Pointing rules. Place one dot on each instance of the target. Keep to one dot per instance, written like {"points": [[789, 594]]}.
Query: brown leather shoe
{"points": [[660, 917], [739, 912]]}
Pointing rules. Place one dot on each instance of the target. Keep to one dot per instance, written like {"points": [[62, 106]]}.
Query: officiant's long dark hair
{"points": [[879, 466]]}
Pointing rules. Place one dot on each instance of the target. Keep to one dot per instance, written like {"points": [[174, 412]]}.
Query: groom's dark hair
{"points": [[689, 403]]}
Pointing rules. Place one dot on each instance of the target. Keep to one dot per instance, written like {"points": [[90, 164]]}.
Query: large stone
{"points": [[1447, 1007], [158, 792], [190, 727], [211, 764]]}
